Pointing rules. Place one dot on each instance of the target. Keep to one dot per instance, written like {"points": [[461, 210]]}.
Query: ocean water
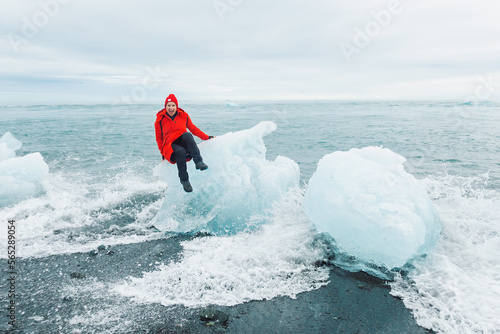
{"points": [[101, 190]]}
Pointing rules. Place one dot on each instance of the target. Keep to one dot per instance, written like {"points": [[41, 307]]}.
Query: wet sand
{"points": [[72, 293]]}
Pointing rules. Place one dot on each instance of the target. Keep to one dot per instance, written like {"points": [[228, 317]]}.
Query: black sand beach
{"points": [[72, 294]]}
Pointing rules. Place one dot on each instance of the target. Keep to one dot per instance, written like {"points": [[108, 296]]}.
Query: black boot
{"points": [[201, 165], [187, 186]]}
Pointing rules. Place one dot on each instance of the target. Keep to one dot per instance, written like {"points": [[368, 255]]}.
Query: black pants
{"points": [[185, 147]]}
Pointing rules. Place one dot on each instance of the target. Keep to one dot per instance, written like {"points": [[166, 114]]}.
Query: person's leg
{"points": [[179, 156], [187, 141]]}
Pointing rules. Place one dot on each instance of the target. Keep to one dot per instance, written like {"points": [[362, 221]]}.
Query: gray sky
{"points": [[89, 51]]}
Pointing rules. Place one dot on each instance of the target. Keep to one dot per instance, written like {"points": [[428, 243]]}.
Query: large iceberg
{"points": [[234, 193], [20, 177], [372, 207]]}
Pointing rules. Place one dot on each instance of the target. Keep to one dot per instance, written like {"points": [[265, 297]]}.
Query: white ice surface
{"points": [[20, 177], [239, 185], [372, 207]]}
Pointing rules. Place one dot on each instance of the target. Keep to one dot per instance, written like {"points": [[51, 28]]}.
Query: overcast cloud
{"points": [[89, 51]]}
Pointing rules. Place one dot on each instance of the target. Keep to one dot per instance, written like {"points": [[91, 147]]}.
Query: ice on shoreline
{"points": [[372, 207], [20, 177], [239, 185]]}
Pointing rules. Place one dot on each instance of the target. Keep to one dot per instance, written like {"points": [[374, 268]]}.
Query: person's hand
{"points": [[210, 137], [162, 158]]}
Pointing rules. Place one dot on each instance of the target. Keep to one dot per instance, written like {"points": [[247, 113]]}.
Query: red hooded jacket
{"points": [[168, 130]]}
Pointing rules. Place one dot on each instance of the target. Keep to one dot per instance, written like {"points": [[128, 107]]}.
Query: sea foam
{"points": [[277, 259], [456, 288]]}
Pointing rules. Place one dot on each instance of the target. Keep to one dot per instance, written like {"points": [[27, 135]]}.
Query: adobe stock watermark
{"points": [[371, 30], [223, 6], [486, 87], [483, 91], [452, 120], [11, 274], [30, 28], [124, 104], [139, 92]]}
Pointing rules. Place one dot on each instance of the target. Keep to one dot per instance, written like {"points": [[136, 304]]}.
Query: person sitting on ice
{"points": [[175, 143]]}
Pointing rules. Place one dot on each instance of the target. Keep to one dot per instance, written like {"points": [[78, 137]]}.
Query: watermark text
{"points": [[372, 29], [11, 272], [48, 9], [223, 6]]}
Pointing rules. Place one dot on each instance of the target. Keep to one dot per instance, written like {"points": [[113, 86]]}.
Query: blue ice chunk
{"points": [[20, 177], [372, 207], [237, 188]]}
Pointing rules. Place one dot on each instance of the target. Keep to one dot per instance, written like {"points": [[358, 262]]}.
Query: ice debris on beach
{"points": [[239, 185], [372, 207], [20, 177]]}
